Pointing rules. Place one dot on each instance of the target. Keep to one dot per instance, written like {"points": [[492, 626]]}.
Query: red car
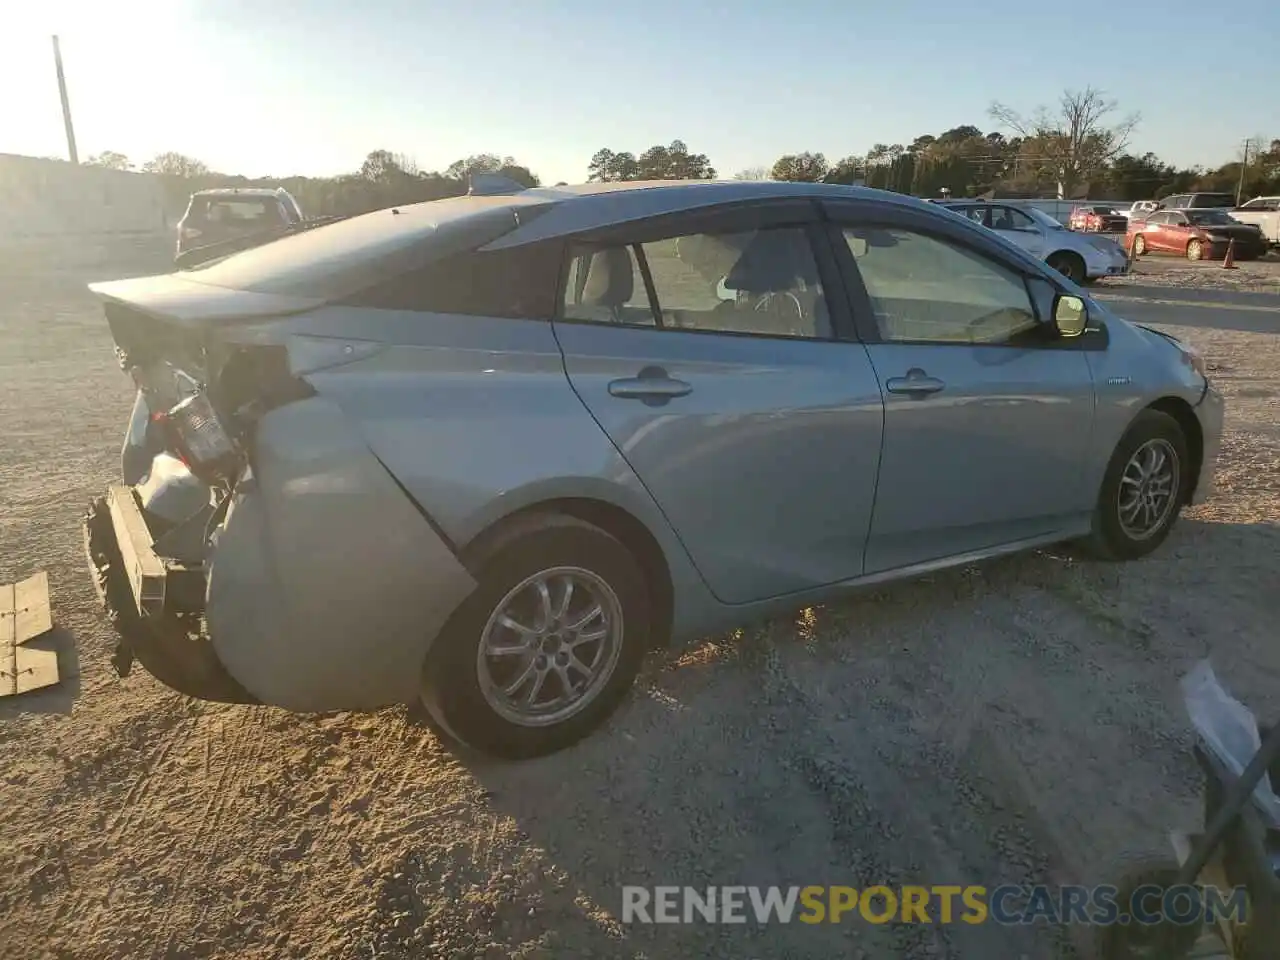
{"points": [[1198, 234], [1097, 219]]}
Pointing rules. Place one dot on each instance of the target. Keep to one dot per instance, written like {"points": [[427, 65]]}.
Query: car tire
{"points": [[1139, 245], [494, 702], [1132, 940], [1070, 265], [1154, 440], [1195, 250]]}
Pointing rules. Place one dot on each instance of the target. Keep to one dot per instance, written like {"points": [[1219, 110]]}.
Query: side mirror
{"points": [[1070, 316]]}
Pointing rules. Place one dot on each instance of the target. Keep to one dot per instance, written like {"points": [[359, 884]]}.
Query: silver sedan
{"points": [[484, 453]]}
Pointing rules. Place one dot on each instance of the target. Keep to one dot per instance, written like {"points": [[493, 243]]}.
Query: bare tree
{"points": [[109, 160], [176, 165], [752, 173], [1074, 143]]}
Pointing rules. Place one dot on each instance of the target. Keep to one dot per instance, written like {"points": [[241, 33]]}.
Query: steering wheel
{"points": [[768, 298]]}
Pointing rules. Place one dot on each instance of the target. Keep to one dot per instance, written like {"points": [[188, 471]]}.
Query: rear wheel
{"points": [[1070, 265], [1195, 250], [547, 646], [1142, 490]]}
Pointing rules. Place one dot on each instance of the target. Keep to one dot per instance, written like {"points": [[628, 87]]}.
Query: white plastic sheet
{"points": [[1228, 729]]}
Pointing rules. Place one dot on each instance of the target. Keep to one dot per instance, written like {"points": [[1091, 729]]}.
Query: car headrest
{"points": [[610, 279], [773, 262]]}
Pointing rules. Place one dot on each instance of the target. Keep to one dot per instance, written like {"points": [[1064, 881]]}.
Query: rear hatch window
{"points": [[340, 258]]}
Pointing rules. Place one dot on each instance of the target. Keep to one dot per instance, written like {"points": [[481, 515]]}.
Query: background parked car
{"points": [[1196, 201], [1198, 234], [1140, 209], [1081, 258], [1264, 213], [1100, 218], [216, 215]]}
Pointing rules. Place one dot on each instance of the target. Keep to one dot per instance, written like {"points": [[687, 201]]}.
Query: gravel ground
{"points": [[1253, 276], [1016, 721]]}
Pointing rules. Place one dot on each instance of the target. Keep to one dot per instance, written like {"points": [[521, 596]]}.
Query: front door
{"points": [[987, 416], [715, 363]]}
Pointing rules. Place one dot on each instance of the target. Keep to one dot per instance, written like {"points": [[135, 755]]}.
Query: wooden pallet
{"points": [[25, 615]]}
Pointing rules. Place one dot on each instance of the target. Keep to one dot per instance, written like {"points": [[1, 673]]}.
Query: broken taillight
{"points": [[200, 438]]}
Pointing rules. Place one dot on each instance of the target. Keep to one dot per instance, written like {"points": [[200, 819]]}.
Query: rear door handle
{"points": [[652, 386], [916, 384]]}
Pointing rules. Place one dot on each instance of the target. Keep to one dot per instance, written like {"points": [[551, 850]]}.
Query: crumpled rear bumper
{"points": [[323, 586], [157, 620]]}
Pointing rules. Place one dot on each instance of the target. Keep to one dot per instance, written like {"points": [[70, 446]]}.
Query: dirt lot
{"points": [[1013, 722]]}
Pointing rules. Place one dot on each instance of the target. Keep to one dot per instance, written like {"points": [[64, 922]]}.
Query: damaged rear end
{"points": [[257, 550]]}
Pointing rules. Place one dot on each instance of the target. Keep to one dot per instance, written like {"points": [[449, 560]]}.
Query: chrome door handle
{"points": [[916, 384], [652, 386]]}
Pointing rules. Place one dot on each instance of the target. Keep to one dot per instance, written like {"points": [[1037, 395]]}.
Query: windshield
{"points": [[1042, 218], [1204, 217]]}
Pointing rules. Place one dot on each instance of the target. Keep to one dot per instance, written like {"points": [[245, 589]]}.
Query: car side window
{"points": [[1018, 220], [519, 282], [763, 282], [926, 289], [980, 215], [606, 285]]}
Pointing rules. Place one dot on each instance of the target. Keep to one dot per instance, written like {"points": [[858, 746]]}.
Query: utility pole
{"points": [[1244, 165], [66, 104]]}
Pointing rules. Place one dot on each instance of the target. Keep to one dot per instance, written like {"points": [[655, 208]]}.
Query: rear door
{"points": [[714, 349], [987, 419]]}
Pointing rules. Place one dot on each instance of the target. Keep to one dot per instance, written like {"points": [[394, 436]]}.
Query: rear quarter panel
{"points": [[475, 418]]}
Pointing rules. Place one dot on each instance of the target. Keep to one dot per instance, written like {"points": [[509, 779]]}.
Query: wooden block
{"points": [[35, 669], [32, 615], [8, 665], [24, 615]]}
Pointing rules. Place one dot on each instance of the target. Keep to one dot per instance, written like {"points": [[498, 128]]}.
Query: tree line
{"points": [[383, 180], [1079, 147]]}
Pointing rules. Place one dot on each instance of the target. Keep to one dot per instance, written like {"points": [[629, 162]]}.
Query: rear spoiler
{"points": [[224, 248], [493, 185]]}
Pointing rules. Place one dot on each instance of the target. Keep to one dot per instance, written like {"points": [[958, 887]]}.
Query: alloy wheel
{"points": [[1148, 489], [550, 646]]}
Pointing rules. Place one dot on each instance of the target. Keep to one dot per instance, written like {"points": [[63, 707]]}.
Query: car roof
{"points": [[240, 192], [591, 206]]}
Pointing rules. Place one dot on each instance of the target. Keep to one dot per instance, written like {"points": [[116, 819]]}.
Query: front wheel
{"points": [[1142, 490], [547, 646], [1195, 250], [1149, 880], [1070, 265], [1139, 245]]}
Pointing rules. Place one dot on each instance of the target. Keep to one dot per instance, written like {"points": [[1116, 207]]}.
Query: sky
{"points": [[309, 87]]}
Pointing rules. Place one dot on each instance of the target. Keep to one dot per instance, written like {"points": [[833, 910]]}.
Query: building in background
{"points": [[47, 198]]}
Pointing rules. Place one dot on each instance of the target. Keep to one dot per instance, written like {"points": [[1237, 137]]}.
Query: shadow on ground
{"points": [[927, 733]]}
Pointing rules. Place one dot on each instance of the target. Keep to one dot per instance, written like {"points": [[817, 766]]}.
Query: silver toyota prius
{"points": [[484, 453]]}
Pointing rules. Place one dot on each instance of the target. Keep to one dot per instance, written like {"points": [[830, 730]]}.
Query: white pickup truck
{"points": [[1264, 212]]}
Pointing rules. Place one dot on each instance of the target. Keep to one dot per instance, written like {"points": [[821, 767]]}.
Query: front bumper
{"points": [[1107, 265], [1210, 411]]}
